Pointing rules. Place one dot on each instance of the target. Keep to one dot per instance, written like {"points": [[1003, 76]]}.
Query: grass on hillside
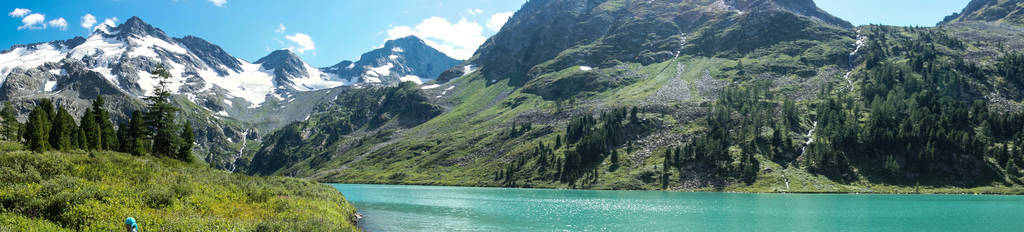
{"points": [[83, 191]]}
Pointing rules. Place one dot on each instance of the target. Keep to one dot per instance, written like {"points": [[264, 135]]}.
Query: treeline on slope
{"points": [[366, 109], [915, 120], [747, 121], [588, 142], [155, 131], [918, 121]]}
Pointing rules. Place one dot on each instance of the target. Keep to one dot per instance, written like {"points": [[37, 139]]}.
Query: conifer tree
{"points": [[187, 139], [81, 141], [62, 130], [108, 138], [47, 107], [91, 131], [122, 137], [615, 160], [10, 123], [161, 116], [137, 137], [37, 131]]}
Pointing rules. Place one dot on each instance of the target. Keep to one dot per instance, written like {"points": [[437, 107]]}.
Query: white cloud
{"points": [[88, 20], [219, 3], [59, 23], [457, 40], [498, 20], [280, 28], [19, 12], [109, 22], [474, 11], [304, 42], [33, 22]]}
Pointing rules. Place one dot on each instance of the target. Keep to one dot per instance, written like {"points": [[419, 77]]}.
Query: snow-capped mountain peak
{"points": [[399, 60], [120, 58], [134, 27]]}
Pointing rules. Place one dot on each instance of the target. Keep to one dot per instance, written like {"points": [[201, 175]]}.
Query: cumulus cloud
{"points": [[280, 28], [458, 40], [219, 3], [33, 22], [304, 42], [498, 20], [109, 22], [19, 12], [88, 20], [474, 11], [58, 23]]}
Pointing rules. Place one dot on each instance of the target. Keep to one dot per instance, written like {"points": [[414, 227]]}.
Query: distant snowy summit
{"points": [[400, 60], [125, 54]]}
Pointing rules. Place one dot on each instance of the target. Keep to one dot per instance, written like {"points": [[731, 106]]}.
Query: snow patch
{"points": [[227, 102], [108, 48], [148, 45], [381, 71], [586, 68], [252, 84], [223, 113], [413, 78], [50, 86], [28, 58], [445, 91], [316, 80], [397, 49], [433, 86], [57, 72], [393, 57]]}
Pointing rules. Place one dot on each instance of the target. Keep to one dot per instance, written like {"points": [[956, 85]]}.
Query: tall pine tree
{"points": [[91, 131], [187, 139], [10, 128], [37, 131], [62, 131], [108, 138], [161, 116], [138, 139]]}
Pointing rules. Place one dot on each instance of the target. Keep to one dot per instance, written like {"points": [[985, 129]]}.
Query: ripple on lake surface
{"points": [[433, 208]]}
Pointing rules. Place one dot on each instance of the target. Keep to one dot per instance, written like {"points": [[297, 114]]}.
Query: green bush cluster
{"points": [[56, 191]]}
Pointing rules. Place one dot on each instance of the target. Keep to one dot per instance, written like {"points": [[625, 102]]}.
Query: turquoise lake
{"points": [[432, 208]]}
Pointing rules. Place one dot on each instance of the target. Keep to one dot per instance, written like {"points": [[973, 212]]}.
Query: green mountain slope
{"points": [[78, 191], [697, 95]]}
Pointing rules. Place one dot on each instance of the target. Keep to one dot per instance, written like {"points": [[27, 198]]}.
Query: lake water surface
{"points": [[431, 208]]}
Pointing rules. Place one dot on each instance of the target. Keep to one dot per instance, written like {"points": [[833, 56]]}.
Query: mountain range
{"points": [[749, 95], [224, 94]]}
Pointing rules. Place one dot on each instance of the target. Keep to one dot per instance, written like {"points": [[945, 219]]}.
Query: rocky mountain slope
{"points": [[999, 11], [755, 95], [231, 100], [400, 60]]}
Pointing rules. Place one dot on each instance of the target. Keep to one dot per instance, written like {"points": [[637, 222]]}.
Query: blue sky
{"points": [[325, 32]]}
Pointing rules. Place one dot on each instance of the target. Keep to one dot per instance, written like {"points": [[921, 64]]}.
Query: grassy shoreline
{"points": [[95, 191]]}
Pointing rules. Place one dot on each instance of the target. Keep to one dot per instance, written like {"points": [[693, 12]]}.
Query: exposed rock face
{"points": [[212, 55], [286, 66], [551, 35], [999, 11], [403, 59]]}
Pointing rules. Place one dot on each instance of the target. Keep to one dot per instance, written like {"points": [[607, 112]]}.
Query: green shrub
{"points": [[95, 191]]}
